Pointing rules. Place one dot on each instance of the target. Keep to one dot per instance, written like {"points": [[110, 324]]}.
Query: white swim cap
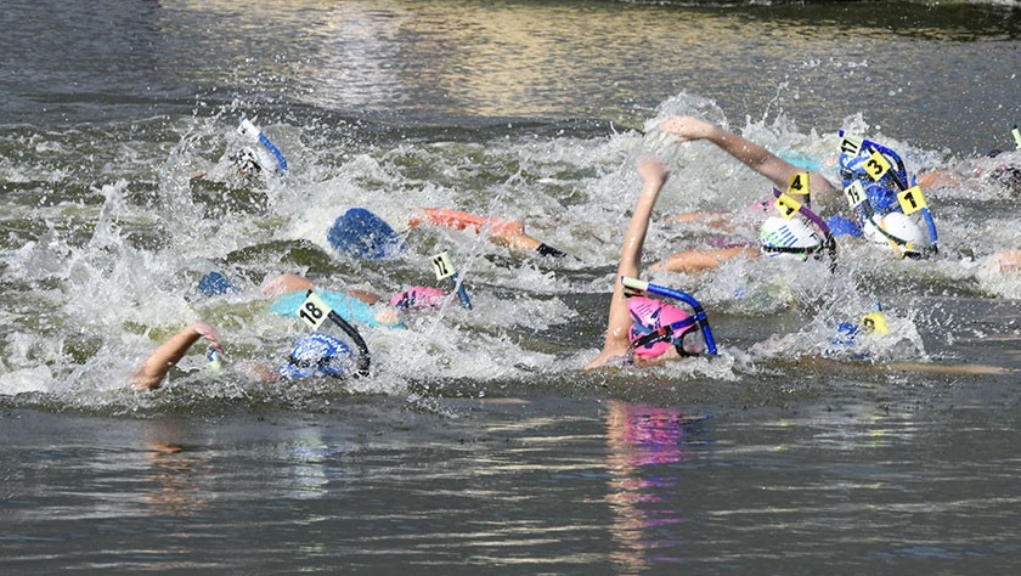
{"points": [[780, 236], [899, 232]]}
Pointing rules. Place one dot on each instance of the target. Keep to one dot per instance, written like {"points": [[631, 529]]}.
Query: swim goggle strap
{"points": [[829, 243], [698, 317], [899, 175]]}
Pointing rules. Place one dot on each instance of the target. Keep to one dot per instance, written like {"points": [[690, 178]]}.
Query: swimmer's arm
{"points": [[168, 354], [756, 157]]}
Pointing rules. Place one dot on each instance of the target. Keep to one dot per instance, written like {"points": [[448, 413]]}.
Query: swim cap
{"points": [[779, 236], [898, 231], [247, 162], [418, 297], [214, 283], [649, 315], [317, 354]]}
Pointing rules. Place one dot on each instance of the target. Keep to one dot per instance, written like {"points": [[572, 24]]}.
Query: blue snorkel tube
{"points": [[246, 128], [636, 287]]}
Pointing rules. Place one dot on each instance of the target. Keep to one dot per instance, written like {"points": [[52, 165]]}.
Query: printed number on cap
{"points": [[443, 265], [314, 310], [799, 184], [855, 194], [787, 206], [851, 145], [877, 165], [912, 200]]}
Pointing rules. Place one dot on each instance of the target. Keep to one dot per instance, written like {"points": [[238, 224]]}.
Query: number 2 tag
{"points": [[787, 206], [443, 265], [314, 310]]}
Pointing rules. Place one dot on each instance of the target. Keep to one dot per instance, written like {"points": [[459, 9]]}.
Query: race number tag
{"points": [[851, 145], [1017, 137], [855, 194], [787, 206], [911, 200], [877, 165], [799, 184], [875, 322], [314, 310], [443, 265]]}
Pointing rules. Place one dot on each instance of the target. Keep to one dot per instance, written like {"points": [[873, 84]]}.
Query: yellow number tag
{"points": [[443, 265], [912, 200], [314, 310], [851, 145], [877, 165], [787, 206], [799, 184], [875, 322], [855, 194]]}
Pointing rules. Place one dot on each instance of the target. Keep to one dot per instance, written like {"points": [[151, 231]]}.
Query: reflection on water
{"points": [[645, 445]]}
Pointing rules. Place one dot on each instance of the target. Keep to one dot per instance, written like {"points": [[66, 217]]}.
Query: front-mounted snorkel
{"points": [[635, 287], [247, 128], [787, 206], [884, 161], [315, 312]]}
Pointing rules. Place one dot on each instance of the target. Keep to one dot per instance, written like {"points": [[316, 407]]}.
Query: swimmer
{"points": [[993, 167], [630, 319], [499, 230], [314, 355], [881, 216]]}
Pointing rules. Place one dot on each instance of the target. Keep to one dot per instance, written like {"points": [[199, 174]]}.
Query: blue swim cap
{"points": [[214, 283], [318, 354]]}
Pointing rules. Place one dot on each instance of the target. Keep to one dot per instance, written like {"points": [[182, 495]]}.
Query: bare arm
{"points": [[777, 170], [654, 175], [168, 354]]}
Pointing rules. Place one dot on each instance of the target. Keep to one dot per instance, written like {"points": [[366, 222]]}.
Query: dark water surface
{"points": [[478, 445]]}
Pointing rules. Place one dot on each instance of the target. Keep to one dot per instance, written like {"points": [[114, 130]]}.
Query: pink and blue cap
{"points": [[649, 315]]}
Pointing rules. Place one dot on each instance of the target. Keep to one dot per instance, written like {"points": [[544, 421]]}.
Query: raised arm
{"points": [[756, 157], [654, 175], [155, 368]]}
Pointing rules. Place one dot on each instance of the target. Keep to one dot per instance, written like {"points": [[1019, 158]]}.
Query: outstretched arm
{"points": [[654, 175], [756, 157], [168, 354]]}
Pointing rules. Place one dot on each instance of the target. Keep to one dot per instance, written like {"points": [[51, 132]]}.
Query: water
{"points": [[477, 443]]}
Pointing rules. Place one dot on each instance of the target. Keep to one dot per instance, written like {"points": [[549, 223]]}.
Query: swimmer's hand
{"points": [[652, 171], [167, 355], [687, 128]]}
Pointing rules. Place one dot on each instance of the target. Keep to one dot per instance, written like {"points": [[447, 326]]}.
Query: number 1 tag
{"points": [[787, 206], [314, 310], [911, 200], [443, 265]]}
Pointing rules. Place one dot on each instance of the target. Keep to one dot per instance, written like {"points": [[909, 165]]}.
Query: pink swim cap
{"points": [[418, 297], [647, 316]]}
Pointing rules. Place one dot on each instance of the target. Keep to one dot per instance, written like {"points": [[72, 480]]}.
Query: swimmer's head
{"points": [[900, 233], [881, 194], [788, 237], [247, 162], [318, 354], [649, 315]]}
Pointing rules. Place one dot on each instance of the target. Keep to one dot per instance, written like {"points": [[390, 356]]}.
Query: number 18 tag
{"points": [[314, 310]]}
